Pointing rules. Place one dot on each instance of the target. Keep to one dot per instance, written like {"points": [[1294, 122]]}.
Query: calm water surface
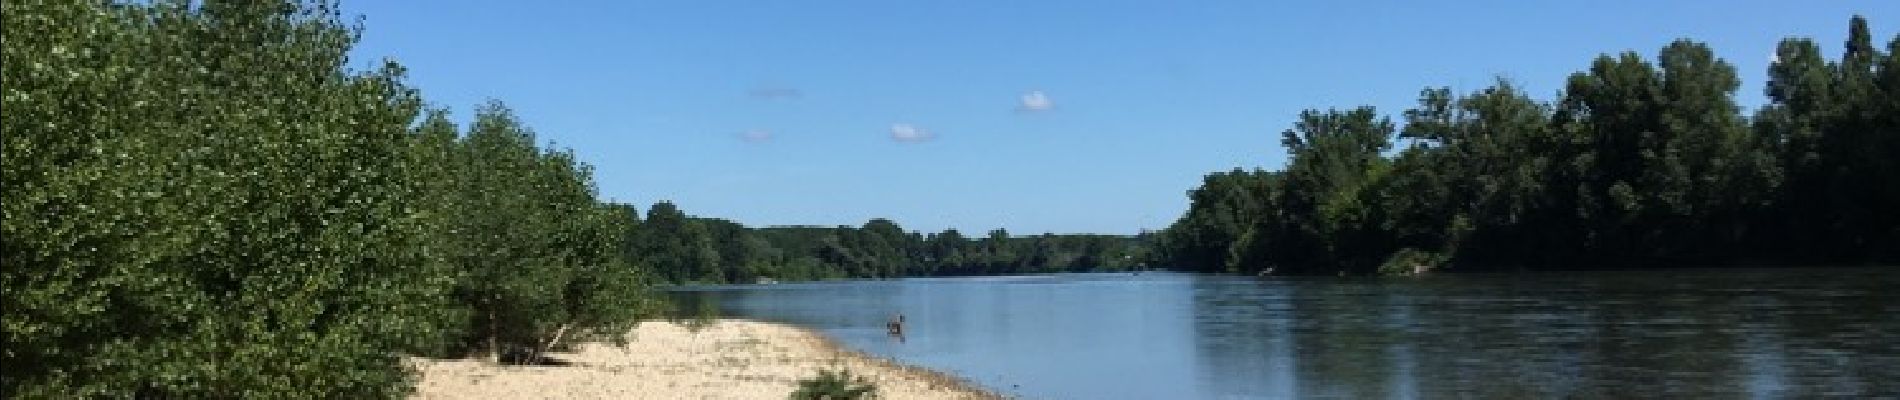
{"points": [[1671, 334]]}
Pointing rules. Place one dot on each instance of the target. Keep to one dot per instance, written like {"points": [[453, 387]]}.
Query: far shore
{"points": [[725, 359]]}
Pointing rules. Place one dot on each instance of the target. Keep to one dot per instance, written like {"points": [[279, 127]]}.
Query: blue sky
{"points": [[1035, 116]]}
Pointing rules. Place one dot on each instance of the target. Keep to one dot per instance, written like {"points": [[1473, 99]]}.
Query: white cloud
{"points": [[910, 134], [1035, 101], [756, 136]]}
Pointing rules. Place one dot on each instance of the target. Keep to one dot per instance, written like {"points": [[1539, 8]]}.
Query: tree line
{"points": [[1636, 164], [685, 249]]}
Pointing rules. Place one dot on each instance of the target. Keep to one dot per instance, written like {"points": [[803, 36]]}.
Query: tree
{"points": [[679, 247], [1833, 130], [1634, 164], [203, 203], [948, 252], [1220, 211], [886, 247], [1323, 211], [541, 259]]}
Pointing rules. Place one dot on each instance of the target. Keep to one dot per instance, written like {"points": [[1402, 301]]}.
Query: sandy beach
{"points": [[728, 359]]}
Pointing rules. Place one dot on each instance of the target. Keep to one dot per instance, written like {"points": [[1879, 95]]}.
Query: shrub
{"points": [[835, 385], [1408, 261]]}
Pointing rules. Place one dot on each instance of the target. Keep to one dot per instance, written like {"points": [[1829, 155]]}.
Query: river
{"points": [[1753, 333]]}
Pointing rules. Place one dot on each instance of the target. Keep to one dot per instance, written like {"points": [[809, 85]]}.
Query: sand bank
{"points": [[728, 359]]}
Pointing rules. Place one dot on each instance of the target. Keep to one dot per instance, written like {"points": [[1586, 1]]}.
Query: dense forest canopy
{"points": [[1636, 164]]}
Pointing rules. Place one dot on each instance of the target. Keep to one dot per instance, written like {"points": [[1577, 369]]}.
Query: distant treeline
{"points": [[685, 249], [1635, 165]]}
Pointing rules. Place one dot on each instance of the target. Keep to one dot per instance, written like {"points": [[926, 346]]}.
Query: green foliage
{"points": [[1221, 211], [1409, 261], [686, 249], [835, 385], [1635, 164], [203, 202], [540, 259], [1837, 128], [679, 246], [1327, 193]]}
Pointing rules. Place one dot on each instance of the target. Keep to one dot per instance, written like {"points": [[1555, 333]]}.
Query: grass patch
{"points": [[835, 385]]}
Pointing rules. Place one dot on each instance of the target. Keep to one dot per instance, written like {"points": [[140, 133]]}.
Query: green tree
{"points": [[202, 202], [1635, 164], [540, 256], [678, 247], [1220, 211], [948, 252], [1324, 210]]}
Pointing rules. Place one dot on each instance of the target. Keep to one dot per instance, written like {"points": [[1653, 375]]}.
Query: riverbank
{"points": [[726, 359]]}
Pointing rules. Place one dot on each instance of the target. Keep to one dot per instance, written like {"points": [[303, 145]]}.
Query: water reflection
{"points": [[1607, 335], [1680, 334]]}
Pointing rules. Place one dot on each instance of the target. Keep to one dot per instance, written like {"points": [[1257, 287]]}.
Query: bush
{"points": [[1408, 261], [835, 385]]}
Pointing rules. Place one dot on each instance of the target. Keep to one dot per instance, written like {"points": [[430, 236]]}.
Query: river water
{"points": [[1758, 333]]}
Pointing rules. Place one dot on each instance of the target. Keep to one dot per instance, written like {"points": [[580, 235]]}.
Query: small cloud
{"points": [[910, 134], [775, 93], [1035, 101], [756, 136]]}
